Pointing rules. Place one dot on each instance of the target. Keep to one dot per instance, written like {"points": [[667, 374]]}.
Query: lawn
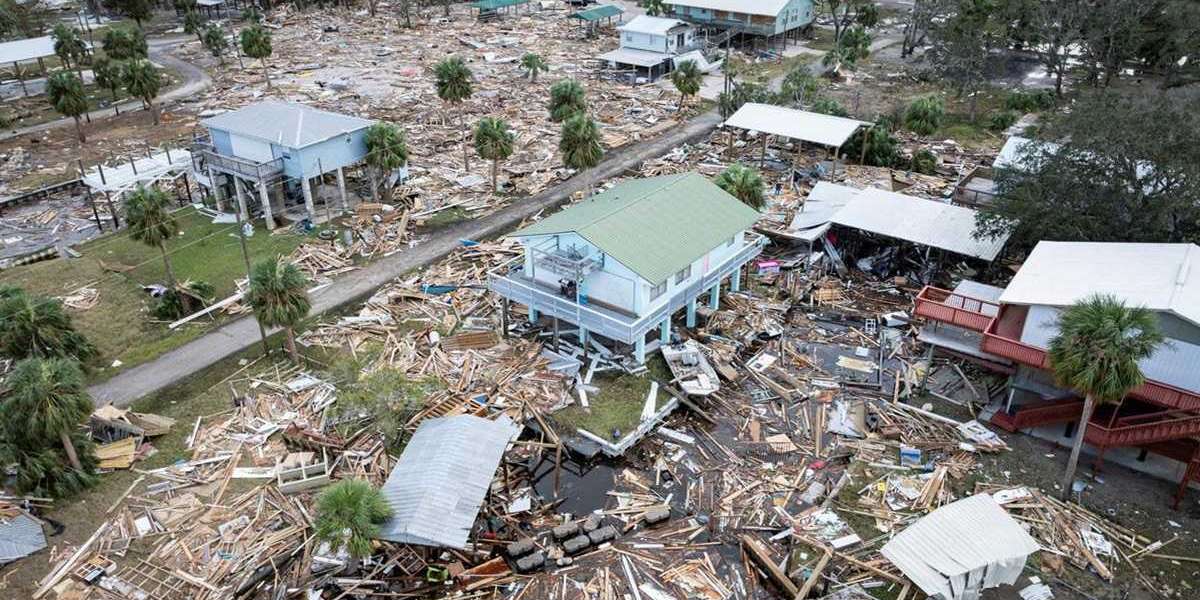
{"points": [[36, 109], [121, 325], [618, 404]]}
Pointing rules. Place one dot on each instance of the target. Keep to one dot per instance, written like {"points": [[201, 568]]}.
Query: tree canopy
{"points": [[743, 183], [256, 43], [580, 142], [387, 150], [687, 79], [279, 295], [1116, 168], [349, 514], [567, 99], [35, 326], [533, 64], [142, 80], [66, 96], [494, 142]]}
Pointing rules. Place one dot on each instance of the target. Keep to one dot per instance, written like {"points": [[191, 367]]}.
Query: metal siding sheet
{"points": [[442, 477], [20, 536]]}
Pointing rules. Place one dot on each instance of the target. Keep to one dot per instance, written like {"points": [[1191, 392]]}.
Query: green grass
{"points": [[36, 109], [121, 325], [618, 404], [446, 218]]}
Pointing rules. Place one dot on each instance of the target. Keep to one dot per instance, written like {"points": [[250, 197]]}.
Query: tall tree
{"points": [[494, 142], [1170, 37], [124, 43], [918, 22], [452, 79], [1096, 352], [349, 514], [148, 216], [143, 81], [108, 75], [66, 95], [963, 45], [653, 8], [256, 43], [193, 23], [49, 395], [216, 41], [138, 10], [37, 327], [566, 100], [845, 13], [279, 295], [1116, 168], [687, 79], [20, 19], [800, 86], [533, 63], [387, 150], [853, 46], [1056, 27], [743, 183], [580, 143]]}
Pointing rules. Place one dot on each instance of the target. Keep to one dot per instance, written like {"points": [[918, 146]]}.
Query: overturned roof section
{"points": [[286, 123], [651, 25], [442, 477], [1161, 277], [634, 56], [654, 226], [962, 548], [917, 220], [768, 8], [20, 536], [826, 130]]}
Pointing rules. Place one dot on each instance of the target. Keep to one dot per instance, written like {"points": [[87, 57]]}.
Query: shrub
{"points": [[829, 106], [1031, 101], [924, 162], [881, 147], [1002, 120], [924, 115]]}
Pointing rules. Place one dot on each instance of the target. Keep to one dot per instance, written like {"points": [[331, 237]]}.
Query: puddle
{"points": [[583, 488]]}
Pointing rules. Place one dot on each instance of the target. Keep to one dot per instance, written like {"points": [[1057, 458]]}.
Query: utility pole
{"points": [[262, 331]]}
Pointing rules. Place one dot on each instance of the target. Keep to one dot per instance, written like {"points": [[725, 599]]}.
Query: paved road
{"points": [[176, 365], [194, 81]]}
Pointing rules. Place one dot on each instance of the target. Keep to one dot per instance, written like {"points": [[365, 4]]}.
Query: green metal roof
{"points": [[654, 226], [600, 12], [494, 4]]}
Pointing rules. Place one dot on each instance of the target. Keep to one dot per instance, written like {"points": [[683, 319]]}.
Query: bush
{"points": [[881, 147], [924, 115], [1032, 101], [829, 106], [172, 305], [1002, 120], [923, 162]]}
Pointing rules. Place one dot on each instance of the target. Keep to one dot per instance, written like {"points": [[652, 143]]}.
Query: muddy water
{"points": [[583, 487]]}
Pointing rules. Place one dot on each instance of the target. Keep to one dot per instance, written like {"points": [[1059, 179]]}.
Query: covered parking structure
{"points": [[19, 51], [595, 16], [800, 125]]}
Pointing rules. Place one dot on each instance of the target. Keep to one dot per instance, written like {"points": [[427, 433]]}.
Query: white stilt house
{"points": [[622, 262], [276, 145]]}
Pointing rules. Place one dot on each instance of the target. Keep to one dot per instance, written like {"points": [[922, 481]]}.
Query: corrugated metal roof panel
{"points": [[654, 226], [963, 546], [285, 123], [442, 477], [917, 220], [817, 128], [20, 536]]}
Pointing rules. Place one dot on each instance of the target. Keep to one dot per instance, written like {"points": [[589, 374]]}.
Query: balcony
{"points": [[510, 281], [1143, 429], [205, 156], [955, 309]]}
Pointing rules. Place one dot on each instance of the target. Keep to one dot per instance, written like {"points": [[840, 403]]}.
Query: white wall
{"points": [[700, 268], [250, 149]]}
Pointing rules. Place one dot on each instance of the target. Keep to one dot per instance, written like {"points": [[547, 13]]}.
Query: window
{"points": [[658, 290], [683, 274], [629, 37], [731, 241]]}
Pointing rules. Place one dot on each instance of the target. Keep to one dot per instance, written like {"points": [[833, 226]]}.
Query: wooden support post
{"points": [[21, 77]]}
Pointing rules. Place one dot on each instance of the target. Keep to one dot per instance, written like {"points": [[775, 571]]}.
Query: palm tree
{"points": [[1096, 352], [143, 81], [743, 183], [193, 23], [453, 81], [494, 142], [69, 46], [279, 296], [533, 63], [49, 395], [149, 218], [215, 41], [387, 150], [256, 43], [108, 75], [566, 99], [37, 327], [122, 43], [653, 8], [349, 514], [687, 79], [580, 144], [66, 95]]}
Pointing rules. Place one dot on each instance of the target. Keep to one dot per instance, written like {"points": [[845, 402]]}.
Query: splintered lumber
{"points": [[763, 559], [683, 399], [815, 576]]}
